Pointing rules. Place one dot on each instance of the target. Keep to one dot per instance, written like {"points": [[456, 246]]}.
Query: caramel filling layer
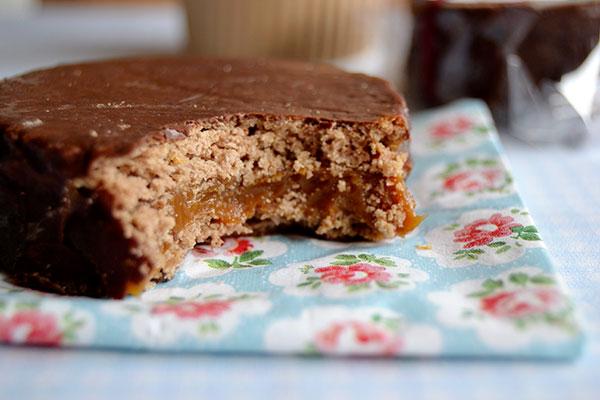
{"points": [[230, 204]]}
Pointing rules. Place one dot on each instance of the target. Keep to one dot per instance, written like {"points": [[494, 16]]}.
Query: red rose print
{"points": [[361, 333], [354, 274], [522, 303], [469, 181], [191, 309], [462, 181], [484, 231], [32, 327], [241, 246], [463, 123], [491, 175], [451, 128]]}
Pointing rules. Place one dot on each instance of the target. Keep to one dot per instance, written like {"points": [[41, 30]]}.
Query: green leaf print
{"points": [[481, 129], [542, 280], [367, 257], [451, 227], [497, 244], [530, 236], [471, 254], [391, 285], [525, 232], [519, 278], [217, 264], [492, 284], [489, 286], [70, 326], [450, 169], [207, 328], [248, 259], [311, 350], [346, 257], [481, 293], [386, 262], [250, 255], [503, 249], [260, 261], [306, 269]]}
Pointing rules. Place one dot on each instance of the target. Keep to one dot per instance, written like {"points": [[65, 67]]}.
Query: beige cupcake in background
{"points": [[369, 36], [306, 29]]}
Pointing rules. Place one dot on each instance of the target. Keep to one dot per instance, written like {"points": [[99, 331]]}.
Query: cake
{"points": [[111, 171], [460, 47]]}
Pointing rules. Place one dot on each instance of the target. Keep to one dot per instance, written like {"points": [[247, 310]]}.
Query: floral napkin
{"points": [[473, 280]]}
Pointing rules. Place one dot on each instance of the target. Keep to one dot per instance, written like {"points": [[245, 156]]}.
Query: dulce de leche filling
{"points": [[233, 205]]}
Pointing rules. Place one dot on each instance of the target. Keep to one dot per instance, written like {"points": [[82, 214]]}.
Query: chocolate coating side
{"points": [[56, 238]]}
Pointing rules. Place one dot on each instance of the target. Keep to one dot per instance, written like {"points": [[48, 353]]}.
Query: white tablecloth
{"points": [[561, 187]]}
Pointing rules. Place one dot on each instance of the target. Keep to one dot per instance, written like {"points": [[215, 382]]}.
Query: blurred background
{"points": [[350, 33]]}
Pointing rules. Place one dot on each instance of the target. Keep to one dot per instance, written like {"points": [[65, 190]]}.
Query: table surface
{"points": [[561, 186]]}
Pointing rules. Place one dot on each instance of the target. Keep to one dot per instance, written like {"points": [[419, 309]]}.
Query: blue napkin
{"points": [[473, 280]]}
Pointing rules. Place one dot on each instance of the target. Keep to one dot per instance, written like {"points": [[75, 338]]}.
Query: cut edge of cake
{"points": [[204, 180]]}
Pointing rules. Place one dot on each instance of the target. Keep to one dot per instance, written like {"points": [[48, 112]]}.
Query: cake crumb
{"points": [[32, 123], [341, 185], [93, 133]]}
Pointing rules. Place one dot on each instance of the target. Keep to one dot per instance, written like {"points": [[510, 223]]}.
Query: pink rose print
{"points": [[240, 246], [513, 309], [471, 181], [354, 274], [31, 327], [362, 333], [483, 231], [193, 310], [451, 128], [348, 274], [521, 303]]}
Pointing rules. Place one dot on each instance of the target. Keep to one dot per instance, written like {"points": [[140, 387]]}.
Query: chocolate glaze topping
{"points": [[75, 113]]}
